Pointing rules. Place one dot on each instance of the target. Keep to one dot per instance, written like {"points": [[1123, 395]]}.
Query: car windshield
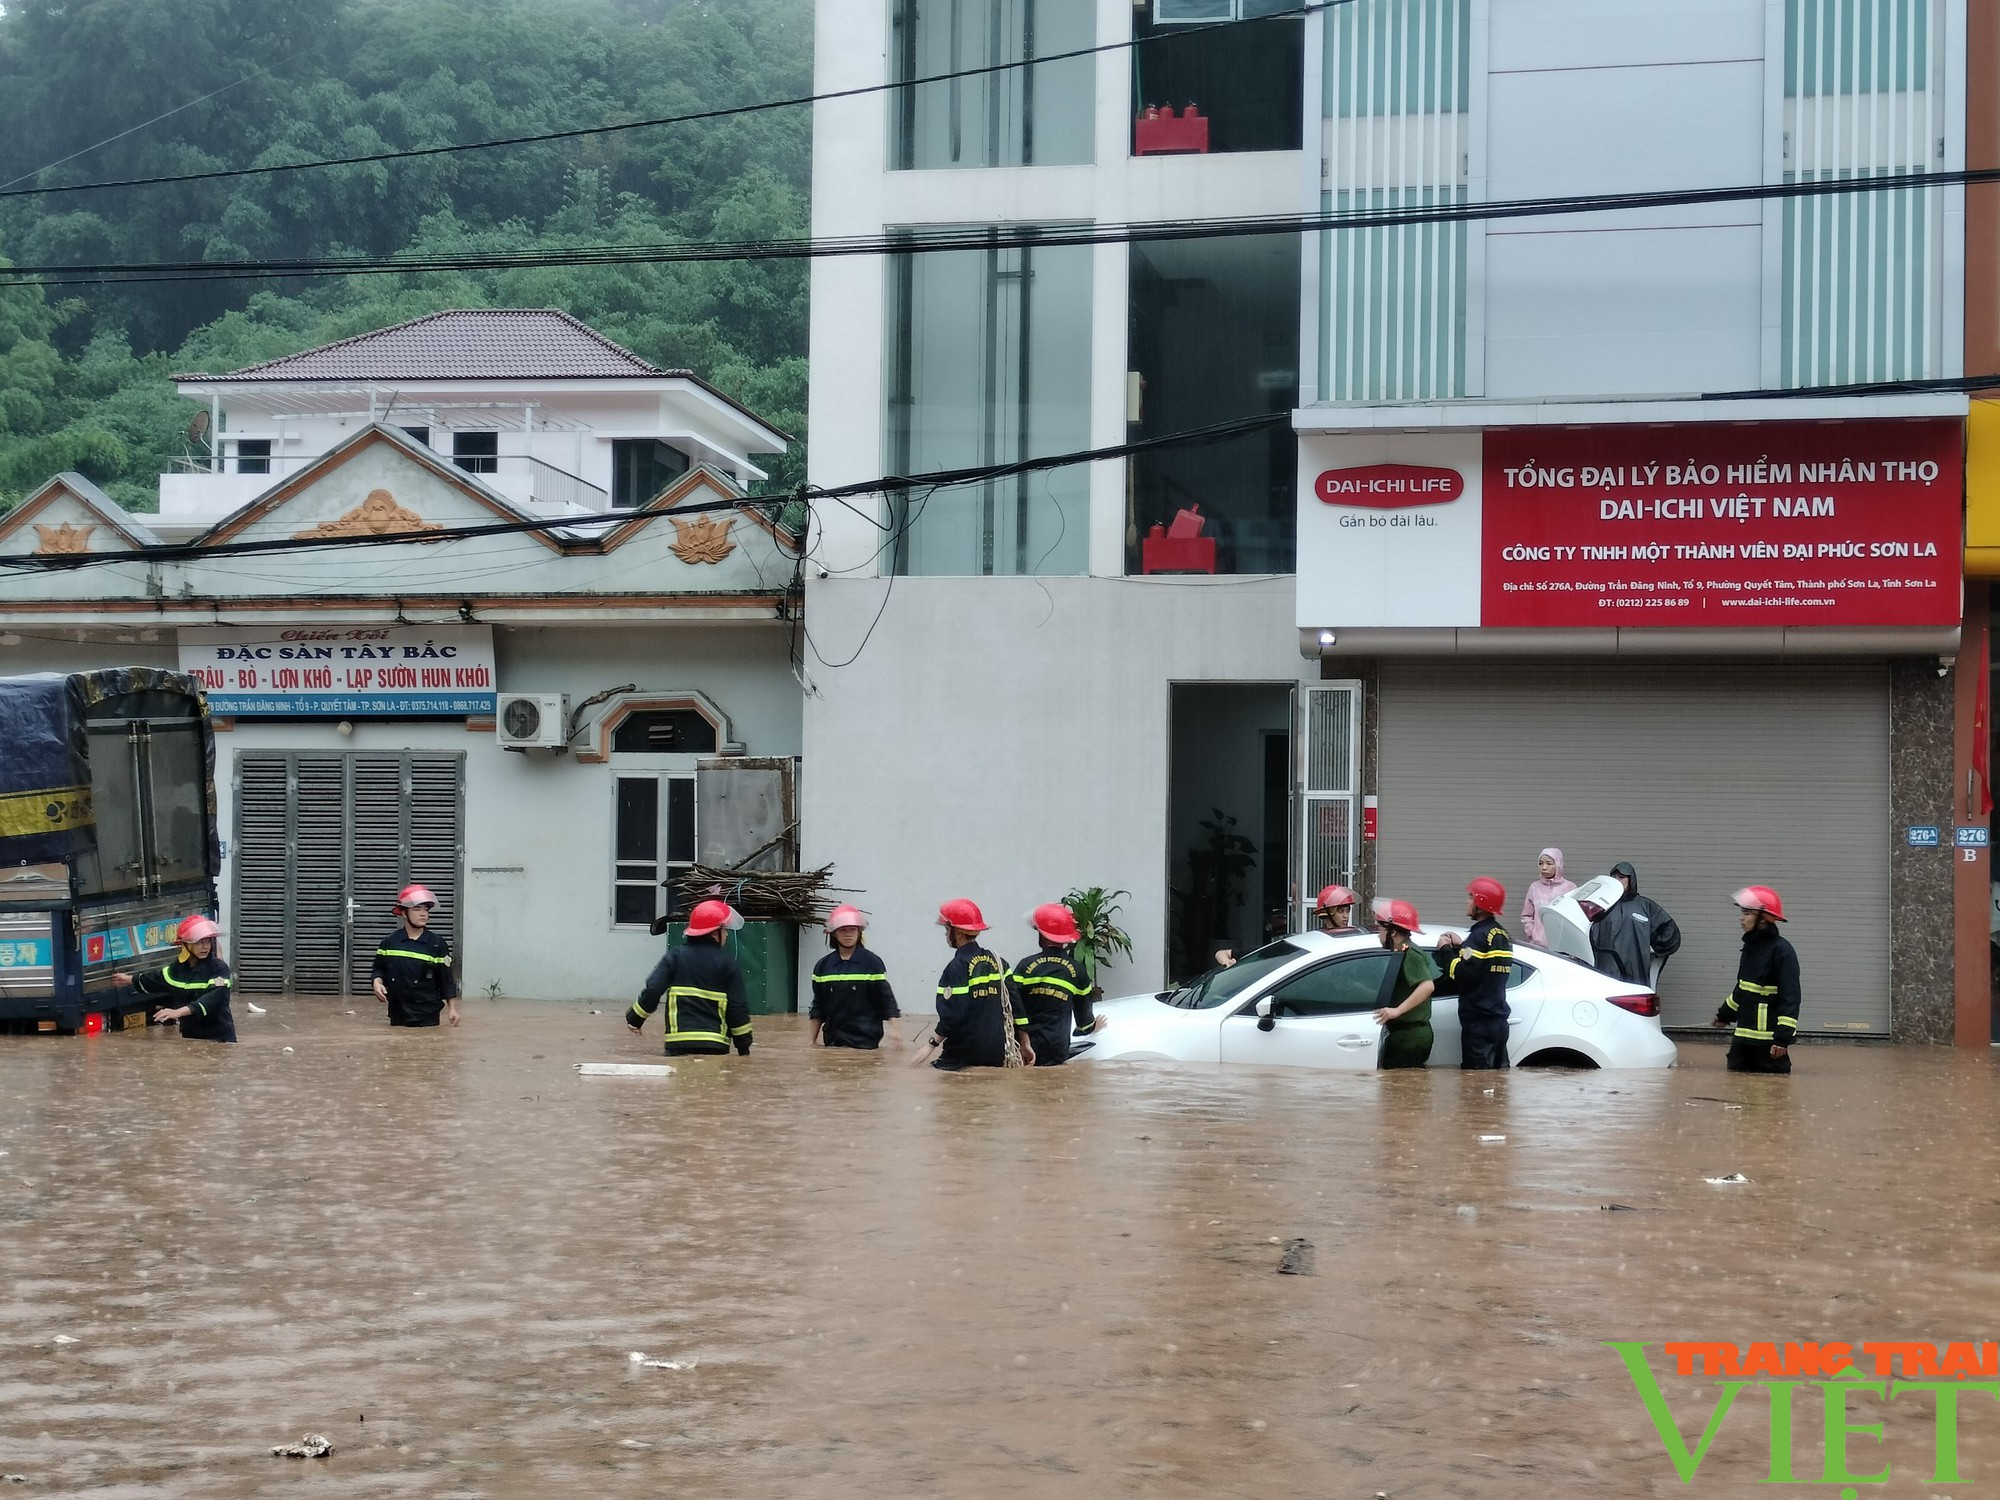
{"points": [[1218, 986]]}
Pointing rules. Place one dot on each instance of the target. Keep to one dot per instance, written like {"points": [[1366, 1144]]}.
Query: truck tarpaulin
{"points": [[45, 785]]}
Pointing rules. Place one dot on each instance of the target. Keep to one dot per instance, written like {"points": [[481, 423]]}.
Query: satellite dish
{"points": [[198, 428]]}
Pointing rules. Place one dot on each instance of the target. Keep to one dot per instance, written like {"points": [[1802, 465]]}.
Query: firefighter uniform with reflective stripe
{"points": [[1046, 990], [1764, 1006], [703, 989], [971, 1027], [851, 999], [416, 971], [201, 984], [1480, 969]]}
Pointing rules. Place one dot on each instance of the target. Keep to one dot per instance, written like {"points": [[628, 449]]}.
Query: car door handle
{"points": [[1354, 1043]]}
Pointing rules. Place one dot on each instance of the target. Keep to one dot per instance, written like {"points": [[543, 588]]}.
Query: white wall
{"points": [[1623, 96], [546, 932], [1009, 739]]}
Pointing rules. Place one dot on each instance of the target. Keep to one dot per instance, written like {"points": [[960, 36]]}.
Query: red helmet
{"points": [[1397, 914], [415, 895], [710, 915], [1488, 894], [845, 916], [193, 929], [1056, 923], [962, 914], [1760, 898], [1335, 895]]}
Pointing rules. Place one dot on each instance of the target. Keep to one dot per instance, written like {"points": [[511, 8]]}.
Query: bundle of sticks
{"points": [[762, 895]]}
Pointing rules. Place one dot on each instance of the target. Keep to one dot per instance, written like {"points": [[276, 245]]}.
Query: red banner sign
{"points": [[1389, 486], [1850, 523]]}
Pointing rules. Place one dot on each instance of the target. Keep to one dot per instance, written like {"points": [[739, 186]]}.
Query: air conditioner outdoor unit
{"points": [[533, 721]]}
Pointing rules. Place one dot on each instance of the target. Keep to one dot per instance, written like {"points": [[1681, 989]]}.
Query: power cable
{"points": [[143, 124], [696, 117], [959, 238], [183, 551]]}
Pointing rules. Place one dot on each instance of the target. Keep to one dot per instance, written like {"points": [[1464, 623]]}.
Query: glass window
{"points": [[1014, 117], [476, 452], [253, 455], [652, 842], [641, 468], [1239, 88], [1339, 988], [1214, 336], [419, 435], [1218, 986], [989, 363]]}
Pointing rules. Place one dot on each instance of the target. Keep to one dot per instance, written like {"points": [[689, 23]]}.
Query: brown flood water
{"points": [[894, 1283]]}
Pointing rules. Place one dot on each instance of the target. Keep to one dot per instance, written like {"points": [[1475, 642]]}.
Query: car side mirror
{"points": [[1265, 1020]]}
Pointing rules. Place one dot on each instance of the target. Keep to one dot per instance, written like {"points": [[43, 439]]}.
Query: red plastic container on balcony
{"points": [[1161, 132], [1180, 548]]}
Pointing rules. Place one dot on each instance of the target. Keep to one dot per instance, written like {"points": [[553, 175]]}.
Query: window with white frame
{"points": [[1193, 12], [652, 842]]}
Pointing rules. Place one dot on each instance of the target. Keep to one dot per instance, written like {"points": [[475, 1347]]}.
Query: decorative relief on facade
{"points": [[702, 540], [378, 515], [65, 540]]}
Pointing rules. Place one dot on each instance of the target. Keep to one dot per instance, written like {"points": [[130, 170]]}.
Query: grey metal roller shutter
{"points": [[1706, 776], [258, 945], [324, 841]]}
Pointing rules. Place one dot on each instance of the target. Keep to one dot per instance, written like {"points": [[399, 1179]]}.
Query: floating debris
{"points": [[256, 1009], [1297, 1259], [1491, 1140], [312, 1445], [645, 1363], [1617, 1208], [1732, 1179], [623, 1070]]}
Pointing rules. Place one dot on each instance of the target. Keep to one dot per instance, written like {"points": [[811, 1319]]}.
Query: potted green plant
{"points": [[1102, 939]]}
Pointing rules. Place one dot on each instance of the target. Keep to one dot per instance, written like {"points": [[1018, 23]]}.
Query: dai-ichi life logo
{"points": [[1389, 487], [1819, 1395]]}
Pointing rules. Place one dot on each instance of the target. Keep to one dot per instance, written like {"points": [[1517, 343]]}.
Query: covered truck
{"points": [[107, 839]]}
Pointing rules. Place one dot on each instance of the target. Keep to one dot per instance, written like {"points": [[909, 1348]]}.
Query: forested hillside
{"points": [[84, 371]]}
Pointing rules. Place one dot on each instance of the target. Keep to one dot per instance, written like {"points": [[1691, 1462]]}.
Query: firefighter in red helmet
{"points": [[1764, 1006], [1480, 966], [1048, 988], [413, 973], [852, 1001], [973, 1019], [196, 984], [1333, 911], [707, 1010]]}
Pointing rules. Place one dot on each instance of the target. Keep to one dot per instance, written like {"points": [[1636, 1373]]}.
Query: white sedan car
{"points": [[1307, 1001]]}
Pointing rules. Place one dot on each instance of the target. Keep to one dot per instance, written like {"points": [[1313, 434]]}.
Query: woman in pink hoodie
{"points": [[1541, 893]]}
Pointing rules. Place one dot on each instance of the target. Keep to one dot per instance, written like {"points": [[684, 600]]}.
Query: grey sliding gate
{"points": [[323, 842]]}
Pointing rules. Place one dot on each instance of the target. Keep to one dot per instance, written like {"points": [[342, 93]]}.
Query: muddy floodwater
{"points": [[441, 1250]]}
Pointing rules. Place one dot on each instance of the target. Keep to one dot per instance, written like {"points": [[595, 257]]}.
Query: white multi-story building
{"points": [[1508, 578]]}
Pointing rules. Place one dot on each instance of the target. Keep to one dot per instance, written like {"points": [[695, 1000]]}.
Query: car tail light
{"points": [[93, 1024], [1639, 1005]]}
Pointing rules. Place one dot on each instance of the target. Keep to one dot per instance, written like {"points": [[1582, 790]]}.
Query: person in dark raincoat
{"points": [[1627, 938]]}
